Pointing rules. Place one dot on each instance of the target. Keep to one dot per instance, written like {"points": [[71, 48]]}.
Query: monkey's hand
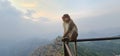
{"points": [[65, 39]]}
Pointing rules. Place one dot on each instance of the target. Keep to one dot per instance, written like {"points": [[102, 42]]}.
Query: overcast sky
{"points": [[42, 18]]}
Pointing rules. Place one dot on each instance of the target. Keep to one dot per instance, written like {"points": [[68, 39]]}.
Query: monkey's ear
{"points": [[63, 17]]}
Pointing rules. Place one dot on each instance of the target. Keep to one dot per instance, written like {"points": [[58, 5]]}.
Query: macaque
{"points": [[70, 29]]}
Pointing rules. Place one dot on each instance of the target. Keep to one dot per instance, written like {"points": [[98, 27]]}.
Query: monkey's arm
{"points": [[71, 25], [64, 29]]}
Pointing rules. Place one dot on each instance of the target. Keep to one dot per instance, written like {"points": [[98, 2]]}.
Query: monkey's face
{"points": [[66, 19]]}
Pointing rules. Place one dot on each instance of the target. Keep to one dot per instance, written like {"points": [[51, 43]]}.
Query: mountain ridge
{"points": [[95, 48]]}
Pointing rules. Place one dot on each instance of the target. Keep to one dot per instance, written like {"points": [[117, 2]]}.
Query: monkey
{"points": [[70, 31]]}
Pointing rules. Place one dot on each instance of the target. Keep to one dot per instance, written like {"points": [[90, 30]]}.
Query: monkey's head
{"points": [[66, 18]]}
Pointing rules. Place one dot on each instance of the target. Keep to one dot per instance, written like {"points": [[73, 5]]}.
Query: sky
{"points": [[23, 19], [56, 8]]}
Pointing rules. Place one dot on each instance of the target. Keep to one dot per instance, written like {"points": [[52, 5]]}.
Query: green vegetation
{"points": [[99, 48]]}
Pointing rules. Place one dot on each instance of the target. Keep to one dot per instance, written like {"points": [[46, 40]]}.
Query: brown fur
{"points": [[70, 28]]}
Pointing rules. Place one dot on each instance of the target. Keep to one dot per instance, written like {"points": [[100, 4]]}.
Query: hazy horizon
{"points": [[22, 20]]}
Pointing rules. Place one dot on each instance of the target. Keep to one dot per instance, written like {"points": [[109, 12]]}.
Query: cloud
{"points": [[11, 21], [106, 21], [78, 9], [15, 23], [34, 16], [28, 5], [14, 26]]}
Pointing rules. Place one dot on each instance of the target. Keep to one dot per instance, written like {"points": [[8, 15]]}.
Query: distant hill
{"points": [[21, 47], [99, 48], [52, 49], [96, 48]]}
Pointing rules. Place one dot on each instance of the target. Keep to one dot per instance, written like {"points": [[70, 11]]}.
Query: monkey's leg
{"points": [[75, 48]]}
